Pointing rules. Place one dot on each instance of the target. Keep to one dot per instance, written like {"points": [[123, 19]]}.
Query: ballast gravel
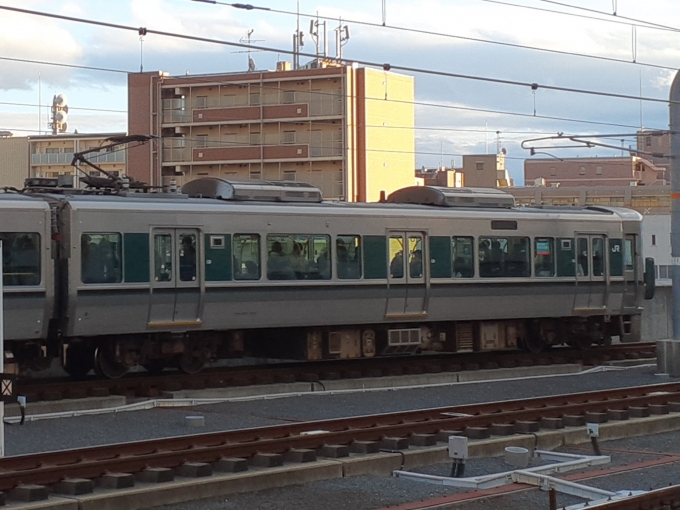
{"points": [[84, 431], [364, 492]]}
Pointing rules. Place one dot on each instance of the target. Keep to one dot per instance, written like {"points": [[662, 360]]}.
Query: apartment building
{"points": [[657, 147], [485, 171], [345, 129], [51, 156], [615, 171]]}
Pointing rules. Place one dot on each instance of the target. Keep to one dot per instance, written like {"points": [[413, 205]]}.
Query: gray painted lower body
{"points": [[105, 312]]}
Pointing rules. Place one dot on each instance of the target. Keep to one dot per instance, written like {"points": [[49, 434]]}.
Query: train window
{"points": [[187, 257], [628, 254], [396, 247], [616, 257], [298, 257], [162, 245], [544, 262], [582, 250], [415, 251], [566, 264], [462, 251], [100, 260], [348, 257], [246, 248], [598, 256], [20, 258], [504, 257]]}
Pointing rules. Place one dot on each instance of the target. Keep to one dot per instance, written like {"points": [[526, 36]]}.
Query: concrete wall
{"points": [[14, 161], [386, 118], [656, 318]]}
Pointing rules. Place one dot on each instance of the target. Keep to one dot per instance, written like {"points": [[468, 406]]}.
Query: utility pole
{"points": [[668, 351]]}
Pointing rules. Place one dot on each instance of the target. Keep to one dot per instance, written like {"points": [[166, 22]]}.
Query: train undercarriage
{"points": [[113, 356]]}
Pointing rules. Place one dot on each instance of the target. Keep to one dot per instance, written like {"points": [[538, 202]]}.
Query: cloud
{"points": [[26, 37]]}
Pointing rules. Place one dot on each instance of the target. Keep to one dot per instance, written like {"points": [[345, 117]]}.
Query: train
{"points": [[110, 280]]}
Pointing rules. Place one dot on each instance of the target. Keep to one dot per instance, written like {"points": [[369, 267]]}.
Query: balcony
{"points": [[65, 158]]}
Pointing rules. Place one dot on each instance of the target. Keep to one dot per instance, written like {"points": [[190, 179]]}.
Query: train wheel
{"points": [[533, 344], [106, 365], [191, 361], [79, 361]]}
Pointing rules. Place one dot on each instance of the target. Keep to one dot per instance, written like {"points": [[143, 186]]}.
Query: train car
{"points": [[231, 269], [28, 279]]}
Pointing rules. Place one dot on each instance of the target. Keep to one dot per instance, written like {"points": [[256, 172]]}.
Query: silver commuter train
{"points": [[268, 269]]}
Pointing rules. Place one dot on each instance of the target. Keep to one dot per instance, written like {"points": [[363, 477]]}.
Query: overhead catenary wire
{"points": [[32, 105], [75, 66], [604, 13], [416, 103], [386, 66], [441, 34], [581, 16]]}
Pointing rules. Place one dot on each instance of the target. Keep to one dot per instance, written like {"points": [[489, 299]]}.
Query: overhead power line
{"points": [[70, 107], [386, 66], [604, 13], [417, 103], [90, 68], [450, 36], [580, 16]]}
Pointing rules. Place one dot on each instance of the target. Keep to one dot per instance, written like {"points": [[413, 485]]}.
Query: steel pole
{"points": [[2, 349], [668, 351]]}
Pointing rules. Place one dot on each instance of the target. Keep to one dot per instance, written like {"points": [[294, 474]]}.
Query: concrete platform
{"points": [[145, 495], [59, 406], [399, 381], [53, 502]]}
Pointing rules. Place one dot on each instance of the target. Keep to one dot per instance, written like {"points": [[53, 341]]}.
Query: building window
{"points": [[653, 240], [201, 101], [598, 170], [201, 141], [255, 139], [553, 170], [289, 176], [479, 165], [254, 98], [582, 170], [288, 97], [288, 137], [228, 100], [256, 175], [648, 141]]}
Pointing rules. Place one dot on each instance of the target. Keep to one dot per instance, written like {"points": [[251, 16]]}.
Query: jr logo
{"points": [[616, 248]]}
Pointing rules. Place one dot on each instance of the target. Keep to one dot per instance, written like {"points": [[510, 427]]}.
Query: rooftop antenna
{"points": [[247, 39], [142, 33], [384, 11], [498, 142], [314, 33], [341, 38], [298, 41]]}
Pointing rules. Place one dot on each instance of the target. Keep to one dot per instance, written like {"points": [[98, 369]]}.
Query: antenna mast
{"points": [[297, 40]]}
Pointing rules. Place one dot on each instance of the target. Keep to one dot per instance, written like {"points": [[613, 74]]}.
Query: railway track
{"points": [[145, 385], [662, 499], [302, 442]]}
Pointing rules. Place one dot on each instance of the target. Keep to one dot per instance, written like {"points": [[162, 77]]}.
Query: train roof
{"points": [[18, 201], [209, 205]]}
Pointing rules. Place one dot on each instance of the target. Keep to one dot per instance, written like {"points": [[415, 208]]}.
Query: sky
{"points": [[578, 45]]}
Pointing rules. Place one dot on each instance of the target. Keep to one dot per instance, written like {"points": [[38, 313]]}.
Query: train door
{"points": [[407, 278], [176, 278], [629, 274], [592, 281]]}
